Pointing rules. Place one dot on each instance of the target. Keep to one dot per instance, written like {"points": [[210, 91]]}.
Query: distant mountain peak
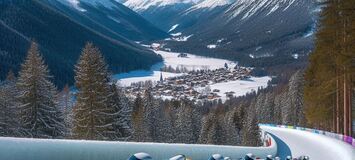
{"points": [[139, 5]]}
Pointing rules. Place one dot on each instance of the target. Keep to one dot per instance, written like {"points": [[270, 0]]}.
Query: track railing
{"points": [[344, 138]]}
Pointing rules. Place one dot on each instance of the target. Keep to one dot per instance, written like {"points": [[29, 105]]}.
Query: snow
{"points": [[247, 8], [316, 146], [49, 149], [76, 3], [141, 5], [176, 34], [126, 79], [240, 87], [179, 157], [220, 40], [277, 6], [193, 62], [142, 155], [210, 4], [218, 157], [182, 38], [211, 46], [260, 55], [115, 19], [173, 28]]}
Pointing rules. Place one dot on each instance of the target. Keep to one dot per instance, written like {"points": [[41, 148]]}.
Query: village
{"points": [[194, 85]]}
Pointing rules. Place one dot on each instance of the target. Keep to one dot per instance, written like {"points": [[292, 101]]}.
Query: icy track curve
{"points": [[283, 142], [317, 146], [40, 149]]}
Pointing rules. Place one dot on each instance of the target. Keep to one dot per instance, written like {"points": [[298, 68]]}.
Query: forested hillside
{"points": [[109, 18], [253, 32], [330, 77], [60, 40], [30, 106]]}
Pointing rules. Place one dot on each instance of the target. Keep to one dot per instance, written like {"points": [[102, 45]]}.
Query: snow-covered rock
{"points": [[173, 27], [211, 46]]}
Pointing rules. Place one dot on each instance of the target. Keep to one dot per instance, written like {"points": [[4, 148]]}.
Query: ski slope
{"points": [[316, 146]]}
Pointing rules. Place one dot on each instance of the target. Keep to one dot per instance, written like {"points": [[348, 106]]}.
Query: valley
{"points": [[188, 79], [193, 77]]}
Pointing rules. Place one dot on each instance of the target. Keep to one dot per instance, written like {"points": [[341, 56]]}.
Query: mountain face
{"points": [[161, 13], [110, 18], [254, 32], [61, 40]]}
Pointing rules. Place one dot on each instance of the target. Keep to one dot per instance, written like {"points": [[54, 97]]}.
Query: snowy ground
{"points": [[240, 87], [193, 62], [316, 146]]}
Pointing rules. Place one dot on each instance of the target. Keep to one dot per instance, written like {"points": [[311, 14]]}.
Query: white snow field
{"points": [[193, 62], [316, 146], [40, 149], [240, 87]]}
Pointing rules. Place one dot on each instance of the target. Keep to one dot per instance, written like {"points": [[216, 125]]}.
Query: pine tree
{"points": [[184, 123], [150, 115], [94, 115], [9, 114], [251, 132], [120, 105], [139, 133], [66, 104], [40, 115], [165, 128], [330, 75]]}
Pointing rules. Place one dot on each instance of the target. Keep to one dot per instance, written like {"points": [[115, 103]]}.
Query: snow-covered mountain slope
{"points": [[250, 30], [167, 13], [248, 8], [141, 5], [61, 38], [210, 4], [160, 12], [110, 18], [75, 3]]}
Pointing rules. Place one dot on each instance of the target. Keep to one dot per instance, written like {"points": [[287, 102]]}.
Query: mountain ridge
{"points": [[60, 40]]}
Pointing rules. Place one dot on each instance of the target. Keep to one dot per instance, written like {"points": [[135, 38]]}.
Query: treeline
{"points": [[330, 77], [184, 121], [60, 40], [31, 106]]}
